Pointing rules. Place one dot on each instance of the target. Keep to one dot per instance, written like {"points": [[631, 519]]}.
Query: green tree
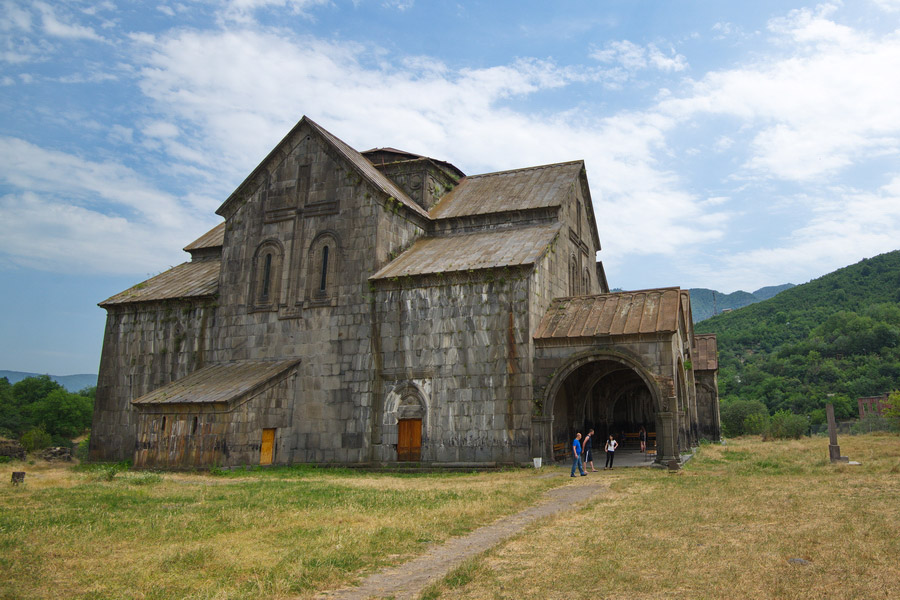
{"points": [[31, 389], [62, 414]]}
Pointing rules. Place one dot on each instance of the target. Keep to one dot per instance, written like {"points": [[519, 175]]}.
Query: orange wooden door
{"points": [[266, 451], [409, 439]]}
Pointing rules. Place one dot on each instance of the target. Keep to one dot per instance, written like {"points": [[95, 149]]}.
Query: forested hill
{"points": [[833, 339], [705, 303]]}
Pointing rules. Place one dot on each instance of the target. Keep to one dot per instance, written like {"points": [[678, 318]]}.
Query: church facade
{"points": [[382, 307]]}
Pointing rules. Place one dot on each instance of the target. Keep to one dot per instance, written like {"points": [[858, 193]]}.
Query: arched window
{"points": [[323, 279], [585, 281], [322, 274], [266, 279], [573, 276], [578, 218]]}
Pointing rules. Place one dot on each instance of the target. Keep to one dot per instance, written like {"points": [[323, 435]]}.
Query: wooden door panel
{"points": [[266, 450], [409, 439]]}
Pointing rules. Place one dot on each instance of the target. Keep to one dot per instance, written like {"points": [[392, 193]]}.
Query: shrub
{"points": [[786, 425], [35, 439], [734, 414], [82, 450], [756, 423]]}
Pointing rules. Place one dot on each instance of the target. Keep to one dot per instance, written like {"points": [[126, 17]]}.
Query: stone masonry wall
{"points": [[145, 346], [464, 345]]}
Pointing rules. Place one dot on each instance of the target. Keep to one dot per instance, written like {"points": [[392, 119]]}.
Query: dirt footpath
{"points": [[408, 580]]}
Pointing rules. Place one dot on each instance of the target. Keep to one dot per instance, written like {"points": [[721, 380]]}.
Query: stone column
{"points": [[666, 437]]}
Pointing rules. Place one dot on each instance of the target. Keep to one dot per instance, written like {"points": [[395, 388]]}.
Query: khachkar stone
{"points": [[834, 451]]}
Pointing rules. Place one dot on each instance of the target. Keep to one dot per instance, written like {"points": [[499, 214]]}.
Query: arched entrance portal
{"points": [[608, 395]]}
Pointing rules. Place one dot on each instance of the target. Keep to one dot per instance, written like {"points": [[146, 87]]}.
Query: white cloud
{"points": [[401, 5], [238, 92], [814, 112], [888, 5], [14, 17], [79, 215], [844, 228], [243, 11], [61, 27], [121, 135], [633, 57]]}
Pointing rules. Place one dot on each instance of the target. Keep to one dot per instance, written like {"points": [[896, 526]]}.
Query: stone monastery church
{"points": [[382, 307]]}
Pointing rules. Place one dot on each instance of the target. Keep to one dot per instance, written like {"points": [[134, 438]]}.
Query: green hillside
{"points": [[833, 339]]}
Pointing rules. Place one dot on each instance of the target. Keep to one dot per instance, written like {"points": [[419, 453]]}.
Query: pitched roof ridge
{"points": [[376, 176], [452, 233], [210, 239], [532, 168], [620, 293]]}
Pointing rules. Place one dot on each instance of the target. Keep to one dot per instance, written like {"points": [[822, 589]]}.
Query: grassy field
{"points": [[730, 525], [727, 526], [76, 533]]}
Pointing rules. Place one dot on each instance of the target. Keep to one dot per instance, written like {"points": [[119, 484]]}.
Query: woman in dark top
{"points": [[588, 455], [643, 439]]}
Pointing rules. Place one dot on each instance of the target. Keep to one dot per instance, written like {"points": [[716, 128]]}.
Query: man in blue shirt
{"points": [[576, 453]]}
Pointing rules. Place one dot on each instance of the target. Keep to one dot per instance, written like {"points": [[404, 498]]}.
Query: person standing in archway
{"points": [[576, 455], [611, 445], [643, 434], [588, 454]]}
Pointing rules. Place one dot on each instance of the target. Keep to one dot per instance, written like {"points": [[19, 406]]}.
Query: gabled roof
{"points": [[620, 313], [706, 355], [522, 189], [214, 238], [224, 382], [187, 280], [354, 158], [481, 250]]}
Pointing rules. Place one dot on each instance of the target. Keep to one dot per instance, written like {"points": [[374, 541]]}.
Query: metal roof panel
{"points": [[218, 383], [187, 280]]}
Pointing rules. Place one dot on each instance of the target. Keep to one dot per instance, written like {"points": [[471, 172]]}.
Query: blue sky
{"points": [[729, 145]]}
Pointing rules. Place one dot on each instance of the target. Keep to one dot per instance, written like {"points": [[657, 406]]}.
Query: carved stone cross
{"points": [[834, 451]]}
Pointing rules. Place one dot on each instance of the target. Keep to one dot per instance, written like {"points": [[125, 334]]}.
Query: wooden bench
{"points": [[561, 451]]}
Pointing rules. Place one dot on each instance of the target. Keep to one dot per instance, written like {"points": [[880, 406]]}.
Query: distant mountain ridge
{"points": [[706, 303], [72, 383]]}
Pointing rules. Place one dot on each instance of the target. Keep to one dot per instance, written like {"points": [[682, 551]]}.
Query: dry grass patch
{"points": [[259, 534], [727, 526]]}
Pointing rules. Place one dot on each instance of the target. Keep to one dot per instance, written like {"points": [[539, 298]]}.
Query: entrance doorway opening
{"points": [[609, 397]]}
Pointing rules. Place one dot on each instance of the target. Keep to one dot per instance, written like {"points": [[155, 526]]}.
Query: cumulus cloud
{"points": [[63, 27], [91, 216], [825, 105], [239, 91], [633, 57]]}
